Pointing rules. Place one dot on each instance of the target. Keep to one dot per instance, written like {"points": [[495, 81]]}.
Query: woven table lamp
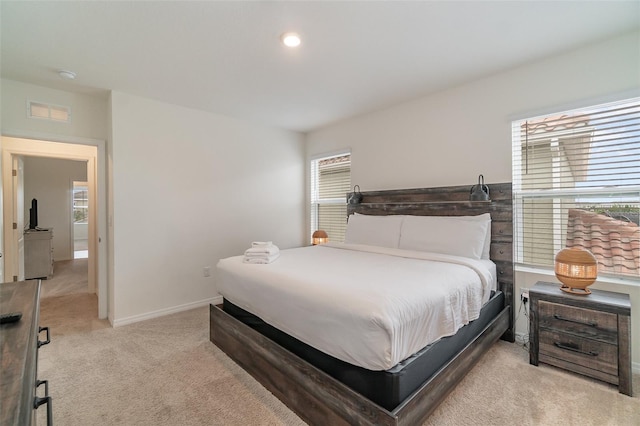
{"points": [[319, 237], [577, 269]]}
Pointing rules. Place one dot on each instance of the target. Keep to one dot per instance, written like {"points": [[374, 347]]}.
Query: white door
{"points": [[1, 227], [18, 216]]}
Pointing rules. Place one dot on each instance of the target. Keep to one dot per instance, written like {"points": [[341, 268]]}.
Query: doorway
{"points": [[93, 153]]}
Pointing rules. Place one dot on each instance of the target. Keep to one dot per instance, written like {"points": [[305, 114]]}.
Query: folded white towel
{"points": [[259, 255], [261, 244], [266, 250], [261, 259]]}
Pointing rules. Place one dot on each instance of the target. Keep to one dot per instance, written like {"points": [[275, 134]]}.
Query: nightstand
{"points": [[589, 335]]}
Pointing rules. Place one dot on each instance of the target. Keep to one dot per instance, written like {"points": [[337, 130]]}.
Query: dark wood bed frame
{"points": [[318, 398]]}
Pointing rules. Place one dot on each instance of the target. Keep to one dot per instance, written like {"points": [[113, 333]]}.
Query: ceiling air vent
{"points": [[44, 111]]}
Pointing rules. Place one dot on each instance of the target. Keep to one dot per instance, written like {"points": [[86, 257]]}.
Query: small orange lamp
{"points": [[320, 237], [577, 269]]}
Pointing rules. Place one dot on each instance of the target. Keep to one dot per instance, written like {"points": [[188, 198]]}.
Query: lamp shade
{"points": [[577, 269], [319, 237]]}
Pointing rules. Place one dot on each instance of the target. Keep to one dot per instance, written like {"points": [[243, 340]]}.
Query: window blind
{"points": [[330, 182], [576, 182]]}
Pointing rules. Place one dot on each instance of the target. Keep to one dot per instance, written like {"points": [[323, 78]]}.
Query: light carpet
{"points": [[165, 371], [69, 276]]}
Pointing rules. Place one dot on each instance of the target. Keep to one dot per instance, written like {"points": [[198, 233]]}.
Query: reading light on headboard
{"points": [[320, 237], [355, 197], [479, 192]]}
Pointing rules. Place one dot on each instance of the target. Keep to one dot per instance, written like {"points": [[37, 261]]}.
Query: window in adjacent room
{"points": [[576, 182], [330, 182], [80, 220]]}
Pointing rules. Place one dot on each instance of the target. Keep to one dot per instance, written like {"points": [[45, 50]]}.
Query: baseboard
{"points": [[635, 366], [167, 311]]}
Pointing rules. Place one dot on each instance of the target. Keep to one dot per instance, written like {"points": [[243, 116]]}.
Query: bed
{"points": [[389, 376]]}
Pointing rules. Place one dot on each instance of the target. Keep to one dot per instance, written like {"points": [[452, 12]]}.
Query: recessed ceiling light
{"points": [[67, 75], [290, 39]]}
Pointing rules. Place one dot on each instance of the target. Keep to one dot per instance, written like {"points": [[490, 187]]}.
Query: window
{"points": [[576, 183], [330, 182], [80, 202], [80, 220]]}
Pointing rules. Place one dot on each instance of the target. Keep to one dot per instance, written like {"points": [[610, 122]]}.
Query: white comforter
{"points": [[368, 306]]}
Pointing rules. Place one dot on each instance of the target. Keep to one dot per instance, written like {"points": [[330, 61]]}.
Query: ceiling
{"points": [[355, 57]]}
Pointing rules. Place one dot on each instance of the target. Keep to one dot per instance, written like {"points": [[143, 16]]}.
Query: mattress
{"points": [[392, 303]]}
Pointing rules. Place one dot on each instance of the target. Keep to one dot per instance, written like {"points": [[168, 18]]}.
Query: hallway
{"points": [[69, 277], [66, 304]]}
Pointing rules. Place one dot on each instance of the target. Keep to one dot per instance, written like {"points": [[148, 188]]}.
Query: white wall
{"points": [[450, 137], [88, 113], [185, 189], [49, 181], [190, 188]]}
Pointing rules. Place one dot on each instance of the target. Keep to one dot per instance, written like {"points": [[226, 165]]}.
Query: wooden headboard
{"points": [[454, 201]]}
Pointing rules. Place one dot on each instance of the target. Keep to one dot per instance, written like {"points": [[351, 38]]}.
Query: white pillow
{"points": [[485, 217], [444, 234], [382, 231]]}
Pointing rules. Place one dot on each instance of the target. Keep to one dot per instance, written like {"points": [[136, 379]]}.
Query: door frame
{"points": [[73, 148]]}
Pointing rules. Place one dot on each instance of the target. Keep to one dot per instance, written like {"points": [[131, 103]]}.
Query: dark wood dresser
{"points": [[19, 343], [589, 335]]}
